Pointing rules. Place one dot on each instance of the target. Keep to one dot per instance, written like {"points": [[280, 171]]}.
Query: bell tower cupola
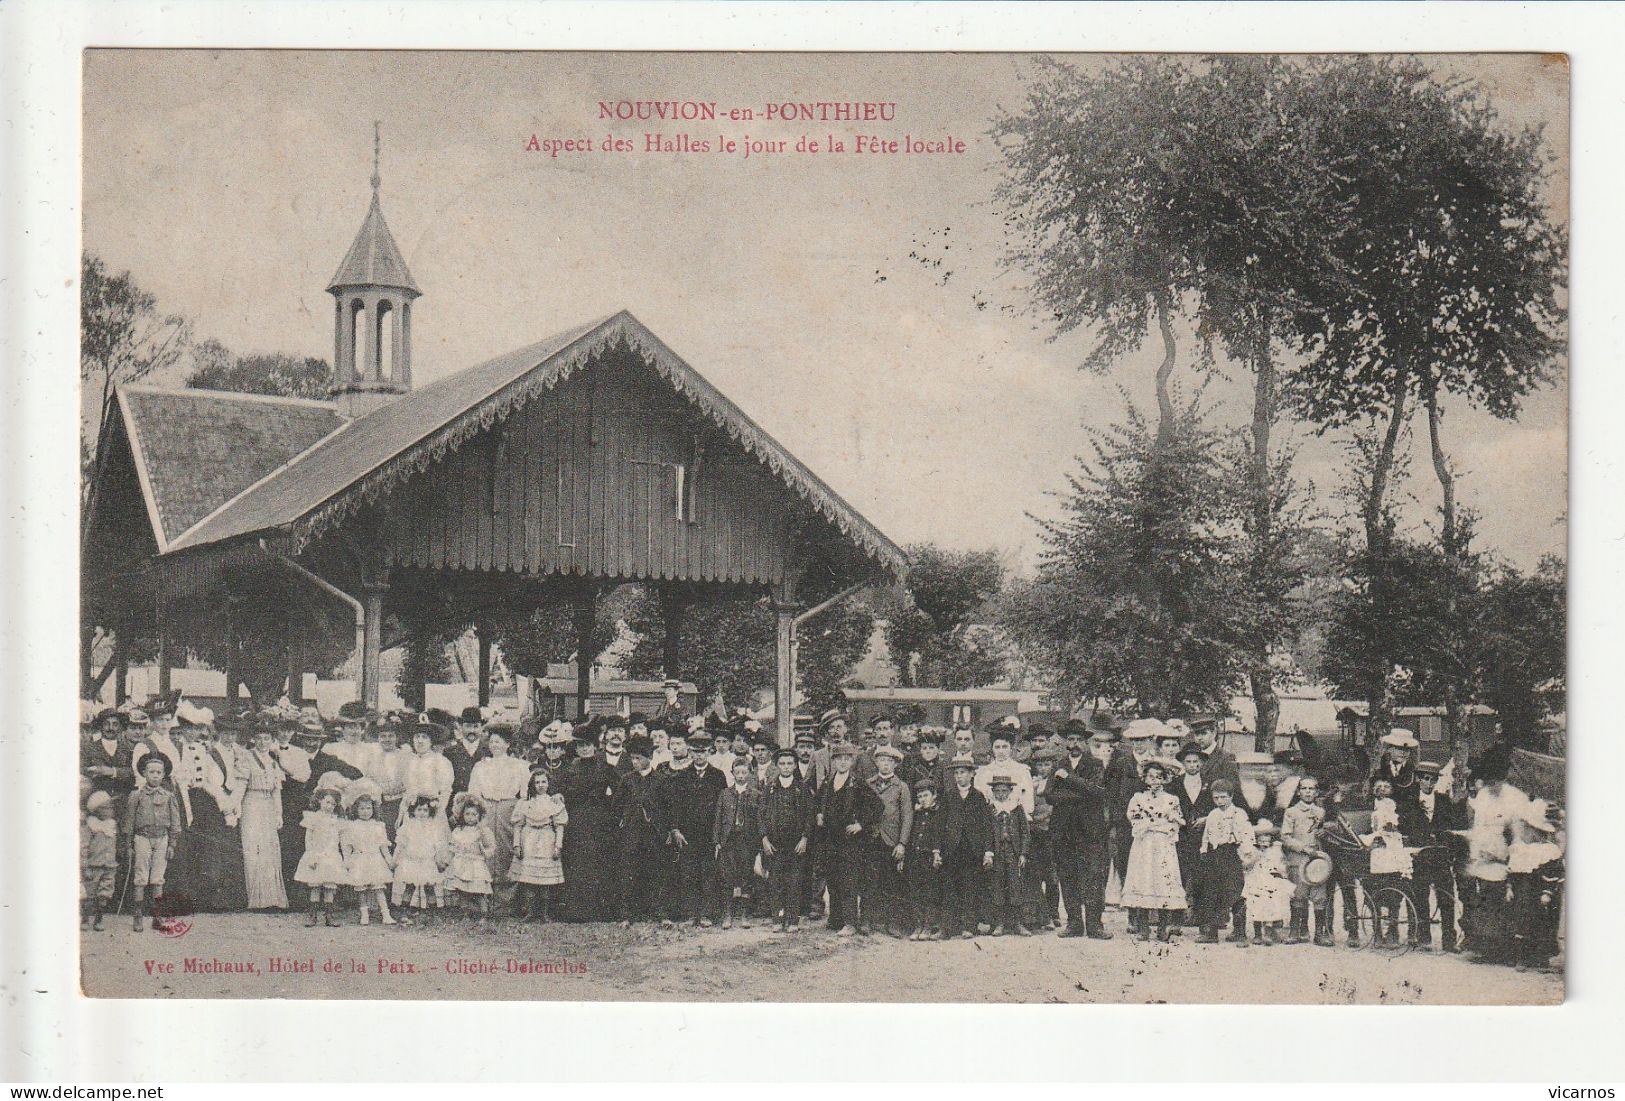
{"points": [[372, 320]]}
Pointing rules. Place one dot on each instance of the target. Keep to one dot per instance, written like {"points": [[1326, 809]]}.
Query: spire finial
{"points": [[376, 143]]}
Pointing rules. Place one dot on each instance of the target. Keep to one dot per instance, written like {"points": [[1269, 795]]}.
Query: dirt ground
{"points": [[231, 956]]}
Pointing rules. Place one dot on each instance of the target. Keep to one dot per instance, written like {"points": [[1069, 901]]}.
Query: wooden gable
{"points": [[611, 473]]}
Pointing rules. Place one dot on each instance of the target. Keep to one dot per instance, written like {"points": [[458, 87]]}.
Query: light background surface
{"points": [[932, 398], [52, 1032]]}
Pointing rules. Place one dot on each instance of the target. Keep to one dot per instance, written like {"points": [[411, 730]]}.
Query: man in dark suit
{"points": [[1077, 792], [1218, 763], [686, 801], [967, 853], [104, 757], [1427, 824], [848, 812], [1195, 801], [467, 748]]}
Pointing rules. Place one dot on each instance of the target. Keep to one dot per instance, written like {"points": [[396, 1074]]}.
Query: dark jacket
{"points": [[590, 790], [967, 827], [785, 815], [1221, 765], [854, 802], [1079, 799], [92, 754], [636, 809], [739, 811], [462, 764], [926, 839], [686, 800], [1122, 780]]}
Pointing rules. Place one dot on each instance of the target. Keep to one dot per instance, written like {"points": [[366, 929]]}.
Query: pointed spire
{"points": [[374, 260]]}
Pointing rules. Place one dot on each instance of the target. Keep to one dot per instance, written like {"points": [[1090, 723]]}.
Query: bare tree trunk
{"points": [[1450, 539], [1266, 705], [1377, 537], [1165, 371]]}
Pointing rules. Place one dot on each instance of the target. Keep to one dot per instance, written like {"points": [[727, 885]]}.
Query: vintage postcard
{"points": [[824, 527]]}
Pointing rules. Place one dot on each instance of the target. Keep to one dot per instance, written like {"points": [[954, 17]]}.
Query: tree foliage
{"points": [[728, 644], [1520, 636], [535, 634], [277, 374], [1095, 170], [1137, 599], [933, 635], [123, 338]]}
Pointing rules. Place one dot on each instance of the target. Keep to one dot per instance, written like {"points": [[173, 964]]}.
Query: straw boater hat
{"points": [[888, 751], [1401, 739], [842, 749], [1002, 780], [1141, 729]]}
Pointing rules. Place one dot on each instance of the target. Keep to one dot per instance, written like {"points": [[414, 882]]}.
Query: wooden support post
{"points": [[372, 649], [672, 606], [163, 656], [586, 614], [482, 636], [296, 656], [784, 608]]}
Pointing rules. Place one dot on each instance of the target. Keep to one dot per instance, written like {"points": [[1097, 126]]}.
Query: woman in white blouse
{"points": [[499, 781], [426, 773]]}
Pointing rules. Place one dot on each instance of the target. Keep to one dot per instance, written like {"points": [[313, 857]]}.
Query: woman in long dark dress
{"points": [[591, 856], [212, 860]]}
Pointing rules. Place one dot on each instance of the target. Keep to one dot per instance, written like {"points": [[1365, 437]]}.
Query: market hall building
{"points": [[592, 458]]}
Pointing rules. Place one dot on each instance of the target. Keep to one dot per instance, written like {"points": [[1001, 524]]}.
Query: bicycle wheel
{"points": [[1400, 928], [1367, 920]]}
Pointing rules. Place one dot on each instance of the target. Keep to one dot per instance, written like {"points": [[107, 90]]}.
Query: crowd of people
{"points": [[900, 829]]}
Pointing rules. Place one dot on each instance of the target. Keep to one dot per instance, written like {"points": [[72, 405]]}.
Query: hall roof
{"points": [[320, 484], [195, 450]]}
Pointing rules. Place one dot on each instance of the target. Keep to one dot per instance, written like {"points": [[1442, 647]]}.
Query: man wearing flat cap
{"points": [[848, 811], [884, 885]]}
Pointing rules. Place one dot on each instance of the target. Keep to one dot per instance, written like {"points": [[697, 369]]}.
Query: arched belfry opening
{"points": [[372, 294]]}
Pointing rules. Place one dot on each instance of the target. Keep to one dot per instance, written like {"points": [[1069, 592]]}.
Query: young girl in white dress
{"points": [[1152, 881], [321, 868], [538, 845], [421, 856], [469, 873], [1266, 889], [365, 844]]}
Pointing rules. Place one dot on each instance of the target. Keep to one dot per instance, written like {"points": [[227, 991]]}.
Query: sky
{"points": [[230, 183]]}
